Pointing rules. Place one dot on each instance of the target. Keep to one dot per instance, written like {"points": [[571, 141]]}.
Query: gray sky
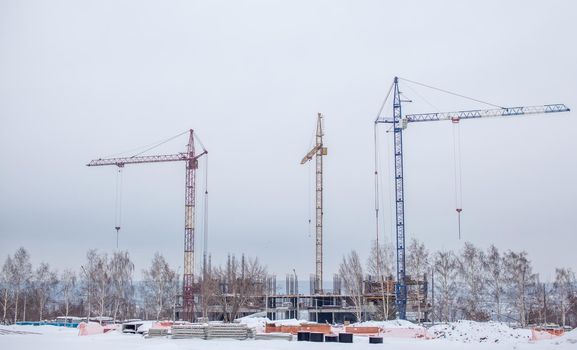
{"points": [[80, 80]]}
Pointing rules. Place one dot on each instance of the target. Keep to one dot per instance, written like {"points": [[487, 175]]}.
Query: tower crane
{"points": [[318, 151], [191, 159], [399, 123]]}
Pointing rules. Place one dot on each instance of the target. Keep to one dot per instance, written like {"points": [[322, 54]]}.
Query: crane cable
{"points": [[205, 219], [310, 186], [146, 147], [452, 93], [118, 203], [378, 245], [458, 171]]}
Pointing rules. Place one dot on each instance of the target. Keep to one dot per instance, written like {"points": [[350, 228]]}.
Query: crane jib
{"points": [[480, 113]]}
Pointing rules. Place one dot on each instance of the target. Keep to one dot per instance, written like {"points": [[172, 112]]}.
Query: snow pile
{"points": [[568, 338], [290, 322], [257, 323], [36, 330], [388, 324], [473, 332]]}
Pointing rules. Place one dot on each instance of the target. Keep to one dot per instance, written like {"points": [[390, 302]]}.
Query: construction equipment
{"points": [[399, 123], [318, 151], [191, 160]]}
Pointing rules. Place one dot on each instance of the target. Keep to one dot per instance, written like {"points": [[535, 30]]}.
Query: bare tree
{"points": [[101, 282], [121, 269], [385, 256], [208, 289], [6, 278], [445, 269], [67, 288], [43, 285], [418, 265], [158, 286], [520, 278], [493, 266], [240, 284], [96, 282], [22, 270], [380, 265], [470, 263], [351, 272], [565, 289]]}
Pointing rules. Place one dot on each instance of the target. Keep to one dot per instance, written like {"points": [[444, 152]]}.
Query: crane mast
{"points": [[318, 152], [189, 215], [399, 123], [401, 286], [191, 160]]}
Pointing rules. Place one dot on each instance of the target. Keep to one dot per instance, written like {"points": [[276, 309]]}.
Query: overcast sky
{"points": [[84, 79]]}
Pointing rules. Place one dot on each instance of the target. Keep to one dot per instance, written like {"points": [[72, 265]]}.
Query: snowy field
{"points": [[459, 336]]}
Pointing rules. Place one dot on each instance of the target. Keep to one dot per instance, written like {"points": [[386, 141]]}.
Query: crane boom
{"points": [[191, 160], [311, 153], [399, 124], [137, 160], [482, 113]]}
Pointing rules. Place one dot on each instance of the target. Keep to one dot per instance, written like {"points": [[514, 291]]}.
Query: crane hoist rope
{"points": [[458, 171], [205, 269], [118, 203]]}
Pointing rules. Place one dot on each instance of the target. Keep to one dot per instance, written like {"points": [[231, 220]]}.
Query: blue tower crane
{"points": [[399, 123]]}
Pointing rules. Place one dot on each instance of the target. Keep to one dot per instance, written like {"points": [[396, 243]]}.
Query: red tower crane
{"points": [[191, 160]]}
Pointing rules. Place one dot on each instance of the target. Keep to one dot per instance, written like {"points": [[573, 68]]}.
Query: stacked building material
{"points": [[157, 332], [251, 333], [273, 336], [189, 331], [227, 330]]}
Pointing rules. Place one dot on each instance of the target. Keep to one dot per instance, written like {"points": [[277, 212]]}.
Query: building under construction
{"points": [[376, 299]]}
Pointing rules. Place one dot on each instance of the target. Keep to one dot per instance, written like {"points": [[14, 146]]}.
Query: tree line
{"points": [[104, 286], [472, 283]]}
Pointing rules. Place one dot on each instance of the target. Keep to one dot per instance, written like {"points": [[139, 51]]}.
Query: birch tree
{"points": [[470, 265], [6, 278], [158, 286], [96, 282], [445, 270], [22, 270], [520, 277], [67, 288], [417, 266], [380, 265], [493, 267], [121, 270], [565, 289], [351, 272], [44, 282]]}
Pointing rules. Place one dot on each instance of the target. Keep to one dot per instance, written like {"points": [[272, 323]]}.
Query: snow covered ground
{"points": [[456, 336]]}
